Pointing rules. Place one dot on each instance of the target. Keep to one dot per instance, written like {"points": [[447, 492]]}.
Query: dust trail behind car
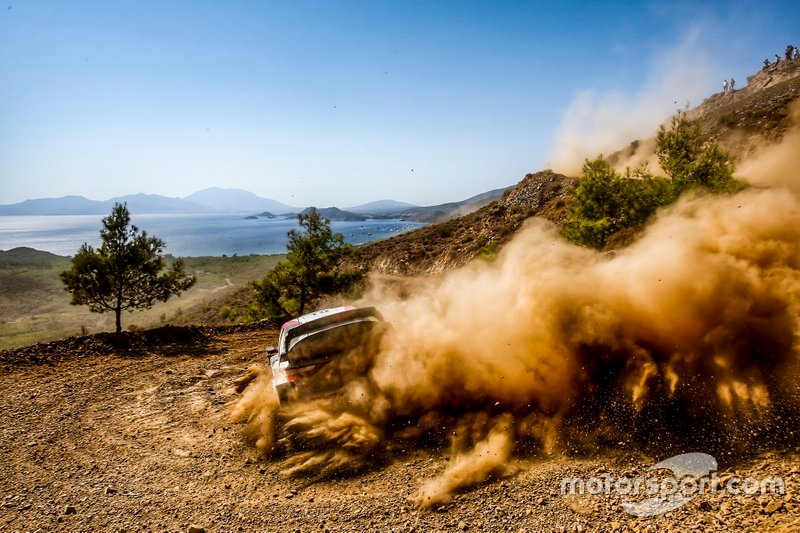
{"points": [[685, 340]]}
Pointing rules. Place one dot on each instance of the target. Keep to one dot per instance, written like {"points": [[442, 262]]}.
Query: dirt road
{"points": [[139, 440]]}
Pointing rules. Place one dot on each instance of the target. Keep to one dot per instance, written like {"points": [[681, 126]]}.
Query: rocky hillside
{"points": [[450, 210], [743, 121], [440, 247]]}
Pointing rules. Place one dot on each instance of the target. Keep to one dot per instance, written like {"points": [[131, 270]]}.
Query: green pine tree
{"points": [[125, 273], [609, 205], [308, 271]]}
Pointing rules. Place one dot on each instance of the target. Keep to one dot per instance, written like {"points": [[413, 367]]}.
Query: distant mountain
{"points": [[444, 212], [78, 205], [333, 213], [209, 200], [237, 201], [66, 205], [154, 204], [219, 200], [433, 213], [381, 207]]}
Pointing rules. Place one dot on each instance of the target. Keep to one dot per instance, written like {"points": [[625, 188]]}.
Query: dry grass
{"points": [[34, 306]]}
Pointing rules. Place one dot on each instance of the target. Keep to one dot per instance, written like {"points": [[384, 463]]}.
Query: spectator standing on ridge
{"points": [[789, 52], [777, 59], [796, 54], [724, 86], [766, 64], [732, 84]]}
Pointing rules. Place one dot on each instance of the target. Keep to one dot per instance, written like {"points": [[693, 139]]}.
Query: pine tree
{"points": [[308, 271], [125, 273]]}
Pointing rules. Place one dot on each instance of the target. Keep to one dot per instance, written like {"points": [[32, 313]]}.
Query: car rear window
{"points": [[330, 342], [331, 320]]}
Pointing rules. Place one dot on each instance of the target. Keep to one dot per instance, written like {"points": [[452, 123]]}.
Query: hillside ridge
{"points": [[437, 248]]}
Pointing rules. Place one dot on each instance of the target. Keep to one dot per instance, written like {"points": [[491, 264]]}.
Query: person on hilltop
{"points": [[796, 54], [766, 64], [732, 84], [724, 86], [777, 59], [789, 52]]}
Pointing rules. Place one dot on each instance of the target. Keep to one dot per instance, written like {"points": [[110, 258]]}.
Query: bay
{"points": [[190, 235]]}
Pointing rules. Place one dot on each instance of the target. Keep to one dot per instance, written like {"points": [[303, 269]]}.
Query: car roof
{"points": [[316, 315]]}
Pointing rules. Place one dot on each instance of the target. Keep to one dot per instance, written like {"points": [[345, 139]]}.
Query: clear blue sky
{"points": [[343, 102]]}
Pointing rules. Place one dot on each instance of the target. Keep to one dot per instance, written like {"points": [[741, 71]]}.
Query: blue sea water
{"points": [[185, 235]]}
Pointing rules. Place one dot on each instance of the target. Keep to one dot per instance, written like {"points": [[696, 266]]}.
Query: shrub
{"points": [[488, 252], [689, 162]]}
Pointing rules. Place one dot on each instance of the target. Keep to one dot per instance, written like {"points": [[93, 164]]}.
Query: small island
{"points": [[333, 213]]}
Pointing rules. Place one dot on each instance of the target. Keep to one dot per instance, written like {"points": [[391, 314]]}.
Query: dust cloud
{"points": [[685, 340], [600, 123], [256, 409], [488, 457]]}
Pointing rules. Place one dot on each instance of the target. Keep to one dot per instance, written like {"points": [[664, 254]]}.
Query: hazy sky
{"points": [[343, 102]]}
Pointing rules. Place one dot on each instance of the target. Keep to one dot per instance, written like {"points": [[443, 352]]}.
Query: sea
{"points": [[186, 235]]}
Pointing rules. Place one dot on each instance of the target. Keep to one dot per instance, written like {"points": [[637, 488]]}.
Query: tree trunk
{"points": [[118, 306]]}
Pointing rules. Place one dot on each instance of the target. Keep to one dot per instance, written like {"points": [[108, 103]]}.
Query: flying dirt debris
{"points": [[685, 339]]}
